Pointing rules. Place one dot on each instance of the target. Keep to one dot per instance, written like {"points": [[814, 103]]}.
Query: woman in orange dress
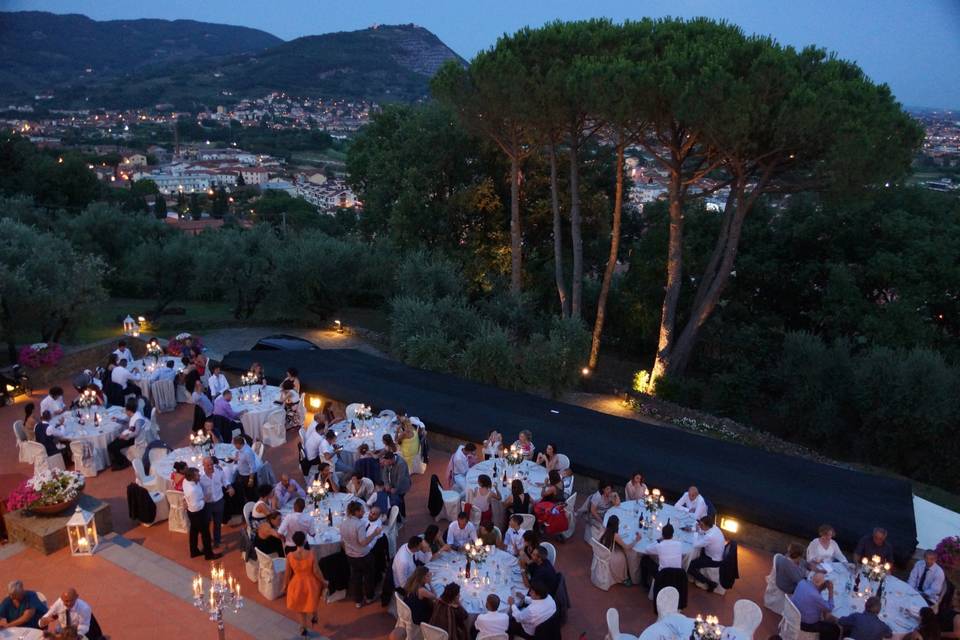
{"points": [[304, 582]]}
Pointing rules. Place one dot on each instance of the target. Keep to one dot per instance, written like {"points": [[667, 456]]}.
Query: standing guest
{"points": [[29, 421], [293, 377], [790, 569], [449, 615], [599, 503], [359, 557], [693, 503], [824, 548], [287, 490], [379, 497], [815, 612], [290, 401], [396, 480], [126, 379], [215, 485], [483, 497], [166, 372], [217, 382], [246, 468], [53, 436], [624, 561], [303, 582], [198, 515], [875, 544], [525, 444], [222, 408], [200, 362], [710, 542], [528, 613], [419, 595], [297, 521], [122, 352], [378, 546], [53, 402], [518, 501], [548, 457], [636, 489], [513, 538], [70, 611], [408, 440], [492, 621], [135, 424], [866, 625], [21, 608], [460, 465], [461, 532], [313, 438], [178, 475], [415, 552], [366, 464], [928, 578]]}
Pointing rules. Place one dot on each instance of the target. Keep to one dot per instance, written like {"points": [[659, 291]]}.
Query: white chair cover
{"points": [[790, 624], [772, 596], [600, 574], [163, 394], [529, 521], [405, 618], [613, 627], [351, 411], [270, 578], [149, 483], [161, 505], [273, 433], [551, 552], [83, 458], [747, 616], [258, 449], [388, 414], [571, 506], [451, 505], [494, 636], [178, 521], [21, 436], [391, 529], [157, 454], [42, 598], [668, 602], [563, 463], [431, 632], [182, 395]]}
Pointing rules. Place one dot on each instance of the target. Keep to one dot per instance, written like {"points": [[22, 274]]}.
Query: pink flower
{"points": [[47, 356], [21, 497]]}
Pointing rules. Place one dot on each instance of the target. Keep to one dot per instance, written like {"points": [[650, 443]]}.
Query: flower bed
{"points": [[47, 489], [40, 354], [176, 344]]}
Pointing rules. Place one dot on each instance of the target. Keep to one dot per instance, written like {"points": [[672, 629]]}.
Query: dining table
{"points": [[193, 456], [258, 402], [353, 433], [676, 626], [98, 426], [327, 515], [500, 573], [145, 367], [900, 603], [629, 512], [20, 633]]}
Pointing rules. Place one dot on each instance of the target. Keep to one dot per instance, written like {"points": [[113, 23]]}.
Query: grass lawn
{"points": [[108, 318]]}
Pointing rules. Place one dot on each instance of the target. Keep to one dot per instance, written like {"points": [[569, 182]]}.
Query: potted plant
{"points": [[40, 354], [48, 492]]}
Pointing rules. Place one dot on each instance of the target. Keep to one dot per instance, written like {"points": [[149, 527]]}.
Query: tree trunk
{"points": [[668, 314], [516, 240], [576, 288], [611, 260], [558, 236]]}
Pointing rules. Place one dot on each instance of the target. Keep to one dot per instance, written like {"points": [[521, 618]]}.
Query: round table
{"points": [[677, 626], [684, 525], [164, 467], [327, 541], [146, 366], [20, 633], [901, 602], [368, 431], [533, 476], [500, 574], [83, 428], [257, 409]]}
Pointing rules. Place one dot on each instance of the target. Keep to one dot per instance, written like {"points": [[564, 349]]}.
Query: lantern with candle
{"points": [[82, 533], [130, 327]]}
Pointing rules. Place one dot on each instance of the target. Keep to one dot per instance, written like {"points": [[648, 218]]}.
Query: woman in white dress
{"points": [[624, 561], [824, 548]]}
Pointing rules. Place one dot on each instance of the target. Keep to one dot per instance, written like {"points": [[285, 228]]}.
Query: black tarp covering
{"points": [[780, 492]]}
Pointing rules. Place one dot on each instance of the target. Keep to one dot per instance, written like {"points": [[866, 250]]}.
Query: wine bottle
{"points": [[330, 517], [856, 584]]}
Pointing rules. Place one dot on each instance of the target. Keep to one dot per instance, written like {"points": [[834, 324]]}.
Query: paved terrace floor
{"points": [[137, 583]]}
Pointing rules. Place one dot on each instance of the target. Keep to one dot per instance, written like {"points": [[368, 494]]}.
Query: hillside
{"points": [[41, 51]]}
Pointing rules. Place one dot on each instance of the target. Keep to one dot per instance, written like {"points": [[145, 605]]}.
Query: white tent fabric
{"points": [[934, 523]]}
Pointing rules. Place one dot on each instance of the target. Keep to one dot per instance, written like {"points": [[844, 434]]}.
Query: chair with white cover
{"points": [[529, 521], [270, 578], [451, 504], [563, 462], [431, 632], [613, 627], [551, 552], [258, 449], [747, 616], [388, 415], [773, 597], [21, 437], [37, 454], [390, 530], [351, 411], [139, 446], [571, 509], [668, 602], [274, 431], [251, 565], [156, 455], [150, 483], [162, 508], [600, 574], [178, 521], [494, 636], [405, 618], [163, 395], [475, 514], [790, 624], [83, 458]]}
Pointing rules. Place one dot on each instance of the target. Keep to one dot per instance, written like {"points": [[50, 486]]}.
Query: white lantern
{"points": [[82, 533], [130, 327]]}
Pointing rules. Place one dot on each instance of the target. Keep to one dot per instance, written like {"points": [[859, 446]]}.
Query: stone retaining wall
{"points": [[76, 359]]}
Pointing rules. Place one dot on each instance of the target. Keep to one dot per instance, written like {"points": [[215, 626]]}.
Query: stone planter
{"points": [[56, 509]]}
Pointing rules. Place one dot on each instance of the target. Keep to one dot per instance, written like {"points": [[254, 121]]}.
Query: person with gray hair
{"points": [[866, 625], [874, 544], [70, 611], [928, 578], [21, 608]]}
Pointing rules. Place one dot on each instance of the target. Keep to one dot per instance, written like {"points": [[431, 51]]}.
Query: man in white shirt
{"points": [[122, 352], [198, 515], [927, 577], [214, 483], [353, 532], [665, 555], [492, 621], [329, 452], [135, 424], [312, 439], [166, 372], [513, 538], [217, 383], [528, 613], [711, 543], [461, 532], [415, 552], [460, 464], [70, 611], [297, 521], [692, 502], [53, 402], [287, 490], [125, 378]]}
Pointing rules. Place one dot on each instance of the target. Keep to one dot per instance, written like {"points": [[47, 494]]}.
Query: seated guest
{"points": [[188, 373], [553, 491], [287, 490], [296, 521], [692, 502], [200, 399], [815, 612], [528, 613], [949, 616], [389, 446], [70, 611], [525, 444], [636, 489], [83, 379], [449, 615], [21, 608], [222, 408], [431, 535], [53, 402], [30, 421], [96, 393], [461, 532], [929, 628], [493, 444], [126, 379], [709, 540], [53, 436], [513, 538], [165, 372], [360, 487], [256, 370], [135, 425], [330, 452], [875, 544], [599, 503], [531, 540], [328, 478], [624, 561], [211, 432], [290, 401], [416, 552], [669, 565], [268, 538], [548, 457], [486, 535], [541, 570], [178, 475], [419, 595], [265, 505], [217, 382], [492, 621], [824, 548], [122, 352], [379, 497], [293, 377], [518, 501], [866, 625], [460, 465], [790, 569], [927, 577]]}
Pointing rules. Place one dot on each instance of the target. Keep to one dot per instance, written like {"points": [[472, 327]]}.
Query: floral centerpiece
{"points": [[87, 399], [48, 492], [154, 350], [653, 501], [363, 413], [40, 354], [706, 628], [317, 491], [476, 552], [874, 568], [513, 454], [247, 379], [201, 443], [177, 344]]}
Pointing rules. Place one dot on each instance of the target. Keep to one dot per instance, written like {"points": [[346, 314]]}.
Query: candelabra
{"points": [[200, 441], [706, 628], [653, 501], [513, 455], [223, 593], [154, 349], [874, 569], [317, 491]]}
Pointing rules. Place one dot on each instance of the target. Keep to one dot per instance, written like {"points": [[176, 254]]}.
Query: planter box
{"points": [[48, 534]]}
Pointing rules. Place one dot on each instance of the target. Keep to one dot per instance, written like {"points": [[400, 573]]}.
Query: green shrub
{"points": [[427, 276], [490, 357], [553, 362], [430, 351]]}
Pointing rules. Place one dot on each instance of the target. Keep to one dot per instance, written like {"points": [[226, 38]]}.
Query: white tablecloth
{"points": [[533, 476], [257, 412], [98, 437], [20, 633], [677, 626], [629, 514], [147, 366], [501, 569], [901, 602], [369, 432], [327, 540], [164, 467]]}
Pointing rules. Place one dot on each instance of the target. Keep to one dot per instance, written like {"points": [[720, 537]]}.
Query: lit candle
{"points": [[238, 590]]}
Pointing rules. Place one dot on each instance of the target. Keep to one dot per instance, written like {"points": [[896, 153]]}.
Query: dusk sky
{"points": [[912, 45]]}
